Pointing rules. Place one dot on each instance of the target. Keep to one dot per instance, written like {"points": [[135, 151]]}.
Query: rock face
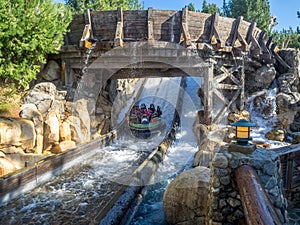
{"points": [[52, 71], [260, 78], [17, 132], [6, 166], [185, 198]]}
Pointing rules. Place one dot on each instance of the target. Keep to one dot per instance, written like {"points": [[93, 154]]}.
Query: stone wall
{"points": [[52, 120], [224, 205]]}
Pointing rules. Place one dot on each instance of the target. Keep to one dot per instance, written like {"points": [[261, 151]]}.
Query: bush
{"points": [[28, 31]]}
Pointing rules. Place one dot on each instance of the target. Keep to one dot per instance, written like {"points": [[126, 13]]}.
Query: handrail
{"points": [[258, 209]]}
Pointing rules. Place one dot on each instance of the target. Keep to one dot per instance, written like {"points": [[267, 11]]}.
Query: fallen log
{"points": [[258, 209]]}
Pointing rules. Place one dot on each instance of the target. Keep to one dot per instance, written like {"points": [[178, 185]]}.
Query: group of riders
{"points": [[144, 115]]}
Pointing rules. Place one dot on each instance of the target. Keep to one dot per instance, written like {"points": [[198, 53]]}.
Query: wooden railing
{"points": [[258, 209], [290, 172]]}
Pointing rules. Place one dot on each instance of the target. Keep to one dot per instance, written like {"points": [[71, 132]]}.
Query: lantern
{"points": [[242, 131]]}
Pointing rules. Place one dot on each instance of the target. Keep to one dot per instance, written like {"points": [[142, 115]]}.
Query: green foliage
{"points": [[78, 6], [209, 8], [28, 31], [225, 9], [253, 11], [293, 38], [191, 7], [289, 35]]}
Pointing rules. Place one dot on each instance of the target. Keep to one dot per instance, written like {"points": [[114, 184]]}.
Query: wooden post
{"points": [[150, 25], [208, 93], [88, 20], [118, 41], [214, 36], [250, 32], [258, 209], [242, 94], [235, 31], [185, 29]]}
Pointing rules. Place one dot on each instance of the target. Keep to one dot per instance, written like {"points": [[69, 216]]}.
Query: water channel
{"points": [[78, 194]]}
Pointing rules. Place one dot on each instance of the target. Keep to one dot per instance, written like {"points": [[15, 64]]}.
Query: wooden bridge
{"points": [[160, 43]]}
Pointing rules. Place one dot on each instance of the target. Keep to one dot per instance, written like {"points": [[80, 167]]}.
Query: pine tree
{"points": [[253, 11], [209, 8], [191, 7], [29, 31]]}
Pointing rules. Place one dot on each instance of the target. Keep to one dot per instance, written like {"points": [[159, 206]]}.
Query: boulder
{"points": [[52, 71], [6, 166], [83, 114], [277, 134], [185, 198], [62, 146], [65, 131], [51, 133], [42, 95], [76, 133], [30, 112], [17, 132], [260, 78]]}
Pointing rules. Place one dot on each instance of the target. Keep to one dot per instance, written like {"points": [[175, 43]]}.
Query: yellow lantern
{"points": [[242, 131]]}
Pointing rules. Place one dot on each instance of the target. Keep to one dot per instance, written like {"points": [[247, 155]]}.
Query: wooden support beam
{"points": [[241, 104], [150, 24], [208, 90], [255, 48], [223, 111], [268, 44], [118, 41], [229, 74], [234, 32], [245, 46], [250, 32], [185, 28], [214, 36], [257, 207], [281, 61]]}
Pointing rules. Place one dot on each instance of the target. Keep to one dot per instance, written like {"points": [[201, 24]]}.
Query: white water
{"points": [[179, 158], [70, 196], [263, 115]]}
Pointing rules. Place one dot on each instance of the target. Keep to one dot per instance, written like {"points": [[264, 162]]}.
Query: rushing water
{"points": [[179, 158], [78, 194]]}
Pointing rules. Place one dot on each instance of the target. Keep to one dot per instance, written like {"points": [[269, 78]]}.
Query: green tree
{"points": [[28, 31], [191, 7], [225, 9], [253, 11], [78, 6], [293, 38], [290, 36], [209, 8]]}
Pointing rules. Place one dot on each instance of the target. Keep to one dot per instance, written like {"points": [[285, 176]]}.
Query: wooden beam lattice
{"points": [[185, 28], [119, 35], [237, 86]]}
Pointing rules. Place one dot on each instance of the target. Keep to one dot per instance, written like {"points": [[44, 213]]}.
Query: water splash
{"points": [[87, 57]]}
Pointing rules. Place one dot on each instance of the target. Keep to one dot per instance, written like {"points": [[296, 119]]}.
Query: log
{"points": [[150, 24], [185, 28], [118, 41], [258, 209]]}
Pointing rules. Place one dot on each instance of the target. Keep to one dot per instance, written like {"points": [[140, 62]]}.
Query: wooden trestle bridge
{"points": [[160, 43]]}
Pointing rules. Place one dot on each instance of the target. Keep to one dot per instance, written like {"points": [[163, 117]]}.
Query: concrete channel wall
{"points": [[39, 173]]}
